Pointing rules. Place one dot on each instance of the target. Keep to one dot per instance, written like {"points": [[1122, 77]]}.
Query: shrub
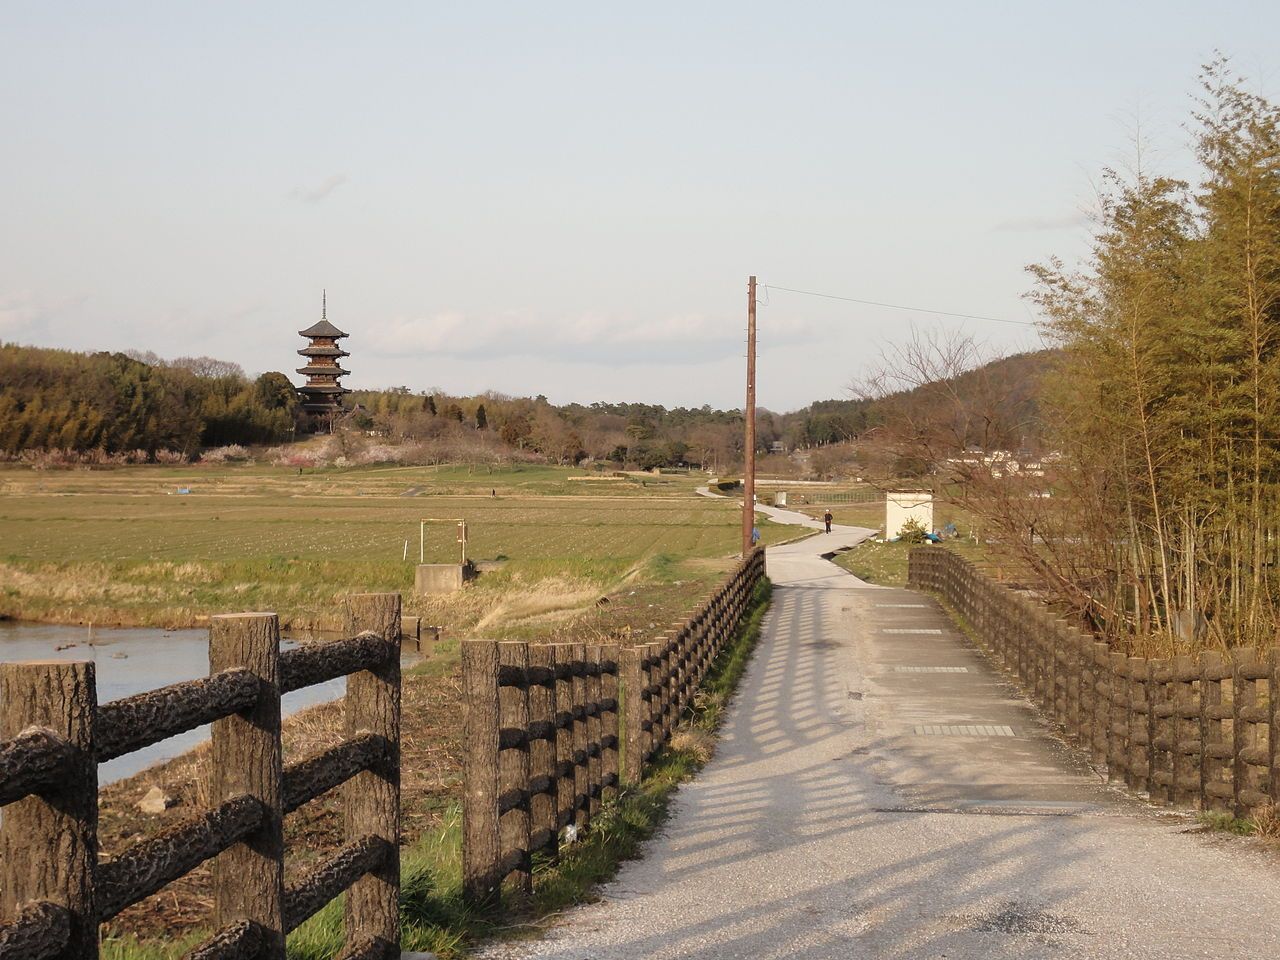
{"points": [[231, 453], [382, 453], [912, 531]]}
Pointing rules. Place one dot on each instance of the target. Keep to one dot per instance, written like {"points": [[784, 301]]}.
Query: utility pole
{"points": [[749, 443]]}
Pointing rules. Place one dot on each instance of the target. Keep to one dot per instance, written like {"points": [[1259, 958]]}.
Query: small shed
{"points": [[904, 506]]}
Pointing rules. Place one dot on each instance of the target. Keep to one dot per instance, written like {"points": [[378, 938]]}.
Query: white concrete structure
{"points": [[901, 507]]}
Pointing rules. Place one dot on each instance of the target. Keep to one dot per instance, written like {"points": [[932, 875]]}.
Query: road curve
{"points": [[880, 793]]}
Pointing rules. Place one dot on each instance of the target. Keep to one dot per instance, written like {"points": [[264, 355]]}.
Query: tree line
{"points": [[60, 399], [1163, 529], [134, 401], [633, 434]]}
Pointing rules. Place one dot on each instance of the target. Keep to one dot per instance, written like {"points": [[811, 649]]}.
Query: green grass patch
{"points": [[880, 563], [131, 948], [1220, 821], [124, 547]]}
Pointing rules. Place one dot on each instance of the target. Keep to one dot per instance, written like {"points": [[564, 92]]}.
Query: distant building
{"points": [[322, 393]]}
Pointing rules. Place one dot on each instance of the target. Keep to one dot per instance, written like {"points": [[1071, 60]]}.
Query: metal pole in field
{"points": [[749, 444]]}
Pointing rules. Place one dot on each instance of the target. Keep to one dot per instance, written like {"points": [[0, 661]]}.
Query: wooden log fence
{"points": [[54, 890], [550, 731], [1199, 731]]}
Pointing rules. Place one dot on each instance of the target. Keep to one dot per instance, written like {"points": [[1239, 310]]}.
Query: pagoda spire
{"points": [[322, 393]]}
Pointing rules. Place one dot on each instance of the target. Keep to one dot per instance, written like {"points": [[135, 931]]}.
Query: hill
{"points": [[61, 406]]}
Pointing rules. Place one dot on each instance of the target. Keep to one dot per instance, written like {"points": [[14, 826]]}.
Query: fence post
{"points": [[581, 769], [1212, 665], [1118, 732], [1026, 648], [1138, 726], [1086, 694], [1186, 732], [543, 828], [678, 638], [480, 850], [1245, 664], [1163, 731], [566, 768], [595, 747], [609, 723], [657, 698], [718, 629], [49, 841], [1273, 730], [636, 712], [1071, 670], [1101, 703], [513, 763], [245, 758], [371, 799]]}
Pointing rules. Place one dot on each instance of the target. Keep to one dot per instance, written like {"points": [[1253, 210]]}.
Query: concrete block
{"points": [[411, 632], [433, 579]]}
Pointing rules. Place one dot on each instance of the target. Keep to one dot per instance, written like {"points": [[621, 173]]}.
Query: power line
{"points": [[899, 306]]}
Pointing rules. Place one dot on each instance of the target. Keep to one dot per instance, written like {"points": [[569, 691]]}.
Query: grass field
{"points": [[617, 560], [884, 563], [125, 547]]}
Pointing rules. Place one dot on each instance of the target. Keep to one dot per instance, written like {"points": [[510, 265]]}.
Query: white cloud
{"points": [[24, 313], [586, 338], [321, 190], [1033, 224]]}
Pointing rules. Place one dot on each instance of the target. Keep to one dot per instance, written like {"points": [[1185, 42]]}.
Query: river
{"points": [[129, 661]]}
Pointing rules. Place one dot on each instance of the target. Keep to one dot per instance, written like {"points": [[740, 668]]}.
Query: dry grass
{"points": [[1265, 822], [697, 742], [554, 599], [115, 549], [430, 780], [120, 548]]}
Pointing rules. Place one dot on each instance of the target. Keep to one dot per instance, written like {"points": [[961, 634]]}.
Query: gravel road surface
{"points": [[879, 792]]}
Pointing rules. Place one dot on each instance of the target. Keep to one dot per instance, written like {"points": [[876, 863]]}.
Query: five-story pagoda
{"points": [[322, 393]]}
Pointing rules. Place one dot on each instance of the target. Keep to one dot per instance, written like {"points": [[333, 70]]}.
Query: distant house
{"points": [[777, 447], [1003, 463]]}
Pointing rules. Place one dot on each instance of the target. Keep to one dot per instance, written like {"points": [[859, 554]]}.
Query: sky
{"points": [[567, 198]]}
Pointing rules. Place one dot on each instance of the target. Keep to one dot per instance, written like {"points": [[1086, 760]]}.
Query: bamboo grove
{"points": [[1164, 405]]}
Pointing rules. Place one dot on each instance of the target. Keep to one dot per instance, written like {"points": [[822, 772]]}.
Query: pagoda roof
{"points": [[334, 371], [314, 351], [323, 388], [322, 328]]}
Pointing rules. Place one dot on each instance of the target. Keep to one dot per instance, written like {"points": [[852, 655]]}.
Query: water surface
{"points": [[131, 660]]}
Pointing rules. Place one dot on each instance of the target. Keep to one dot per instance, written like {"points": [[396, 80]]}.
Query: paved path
{"points": [[880, 793]]}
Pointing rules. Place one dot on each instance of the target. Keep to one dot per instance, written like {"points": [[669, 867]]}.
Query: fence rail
{"points": [[1198, 731], [54, 892], [818, 497], [546, 725]]}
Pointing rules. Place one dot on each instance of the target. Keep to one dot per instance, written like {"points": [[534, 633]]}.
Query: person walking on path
{"points": [[827, 518]]}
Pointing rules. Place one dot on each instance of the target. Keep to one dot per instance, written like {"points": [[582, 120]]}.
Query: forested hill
{"points": [[142, 405], [997, 405], [60, 399]]}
